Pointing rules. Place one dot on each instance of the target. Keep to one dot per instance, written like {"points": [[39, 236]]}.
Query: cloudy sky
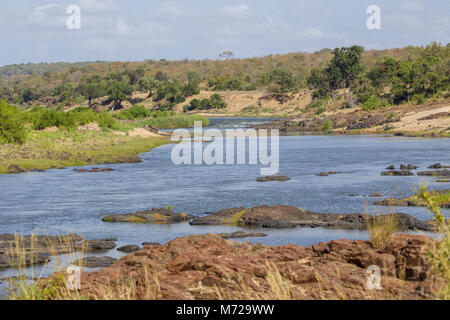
{"points": [[36, 30]]}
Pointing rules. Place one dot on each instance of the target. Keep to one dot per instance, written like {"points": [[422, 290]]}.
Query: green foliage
{"points": [[284, 79], [214, 102], [12, 125], [135, 112], [106, 121], [373, 103], [169, 94], [91, 88], [45, 118], [119, 90], [340, 72], [327, 125]]}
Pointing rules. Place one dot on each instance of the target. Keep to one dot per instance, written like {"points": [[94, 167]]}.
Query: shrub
{"points": [[327, 125], [12, 124], [214, 102], [135, 112], [373, 103], [43, 118], [105, 120]]}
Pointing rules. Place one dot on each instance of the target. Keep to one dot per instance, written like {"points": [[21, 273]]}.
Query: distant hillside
{"points": [[375, 78]]}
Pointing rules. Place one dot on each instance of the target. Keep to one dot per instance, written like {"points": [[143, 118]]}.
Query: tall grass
{"points": [[439, 251], [26, 285], [381, 229], [172, 122]]}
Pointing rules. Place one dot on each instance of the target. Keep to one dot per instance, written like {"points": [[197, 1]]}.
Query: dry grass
{"points": [[381, 229]]}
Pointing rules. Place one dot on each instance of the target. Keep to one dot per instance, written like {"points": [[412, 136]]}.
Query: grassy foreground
{"points": [[46, 150]]}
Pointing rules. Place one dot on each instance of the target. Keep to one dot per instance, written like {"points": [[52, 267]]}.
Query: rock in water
{"points": [[129, 248], [156, 216], [95, 262], [272, 178], [290, 217], [397, 173]]}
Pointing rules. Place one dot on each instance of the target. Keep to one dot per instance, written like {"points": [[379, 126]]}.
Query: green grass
{"points": [[46, 150], [171, 122], [234, 220]]}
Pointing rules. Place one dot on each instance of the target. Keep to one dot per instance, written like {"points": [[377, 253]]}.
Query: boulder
{"points": [[156, 216], [436, 173], [129, 248], [93, 170], [397, 173], [241, 234], [95, 262], [289, 217], [272, 178], [15, 169]]}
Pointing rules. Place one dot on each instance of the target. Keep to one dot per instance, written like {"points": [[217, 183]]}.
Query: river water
{"points": [[63, 201]]}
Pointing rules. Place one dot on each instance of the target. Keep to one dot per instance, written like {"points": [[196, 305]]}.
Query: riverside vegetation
{"points": [[41, 139]]}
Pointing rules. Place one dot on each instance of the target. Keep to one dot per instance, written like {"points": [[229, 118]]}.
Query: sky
{"points": [[134, 30]]}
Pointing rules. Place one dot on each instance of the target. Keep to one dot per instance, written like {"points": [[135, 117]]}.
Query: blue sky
{"points": [[35, 30]]}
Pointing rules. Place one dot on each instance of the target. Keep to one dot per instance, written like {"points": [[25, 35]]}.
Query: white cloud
{"points": [[316, 33], [49, 15], [123, 29], [98, 6], [236, 11], [313, 33], [170, 8]]}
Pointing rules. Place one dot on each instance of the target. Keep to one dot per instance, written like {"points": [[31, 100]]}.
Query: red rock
{"points": [[209, 267]]}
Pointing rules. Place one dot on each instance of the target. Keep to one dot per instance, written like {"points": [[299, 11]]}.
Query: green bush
{"points": [[135, 112], [373, 103], [106, 121], [327, 125], [214, 102], [44, 118], [12, 124]]}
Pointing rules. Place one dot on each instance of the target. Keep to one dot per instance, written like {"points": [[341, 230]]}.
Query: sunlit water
{"points": [[63, 201]]}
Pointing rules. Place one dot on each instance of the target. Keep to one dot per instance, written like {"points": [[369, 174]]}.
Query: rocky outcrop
{"points": [[209, 267], [100, 244], [95, 262], [15, 169], [157, 216], [272, 178], [290, 217], [326, 174], [93, 170], [438, 166], [397, 173], [415, 201], [241, 234], [436, 173], [129, 248]]}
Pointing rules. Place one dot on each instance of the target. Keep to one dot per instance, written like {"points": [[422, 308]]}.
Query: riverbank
{"points": [[60, 148]]}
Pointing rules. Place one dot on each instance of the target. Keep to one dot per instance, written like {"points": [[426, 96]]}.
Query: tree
{"points": [[226, 55], [91, 88], [161, 76], [149, 84], [284, 79], [344, 67], [118, 91]]}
